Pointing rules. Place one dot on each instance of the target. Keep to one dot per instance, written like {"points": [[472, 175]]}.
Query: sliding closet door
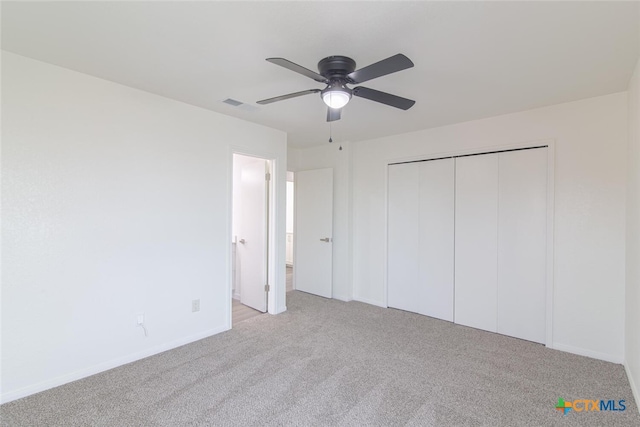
{"points": [[403, 268], [478, 222], [436, 194], [420, 240], [476, 241], [522, 229]]}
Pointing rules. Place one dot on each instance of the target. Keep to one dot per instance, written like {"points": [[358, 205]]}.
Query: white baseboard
{"points": [[588, 353], [101, 367], [342, 298], [634, 386], [369, 301]]}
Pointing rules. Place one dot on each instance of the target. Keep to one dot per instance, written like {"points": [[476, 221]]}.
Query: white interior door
{"points": [[436, 197], [314, 231], [403, 244], [476, 241], [420, 238], [250, 200], [522, 231]]}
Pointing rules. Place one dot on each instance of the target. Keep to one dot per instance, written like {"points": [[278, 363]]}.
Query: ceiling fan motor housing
{"points": [[336, 84], [333, 67]]}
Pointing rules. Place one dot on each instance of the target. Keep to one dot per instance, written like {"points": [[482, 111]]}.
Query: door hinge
{"points": [[267, 287], [267, 177]]}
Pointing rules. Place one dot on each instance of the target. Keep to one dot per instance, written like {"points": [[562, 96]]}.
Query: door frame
{"points": [[294, 244], [550, 143], [275, 279]]}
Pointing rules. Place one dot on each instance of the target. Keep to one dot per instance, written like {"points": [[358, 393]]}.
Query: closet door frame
{"points": [[550, 144]]}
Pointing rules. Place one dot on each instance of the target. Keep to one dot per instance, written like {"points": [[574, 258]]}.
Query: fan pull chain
{"points": [[330, 135]]}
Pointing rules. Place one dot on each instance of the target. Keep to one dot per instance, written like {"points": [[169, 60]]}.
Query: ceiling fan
{"points": [[337, 72]]}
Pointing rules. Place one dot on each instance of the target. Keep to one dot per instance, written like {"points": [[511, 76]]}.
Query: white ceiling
{"points": [[472, 59]]}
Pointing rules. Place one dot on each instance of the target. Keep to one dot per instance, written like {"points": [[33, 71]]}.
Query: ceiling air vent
{"points": [[232, 102]]}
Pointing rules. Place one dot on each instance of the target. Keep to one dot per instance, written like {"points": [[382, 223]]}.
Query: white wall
{"points": [[292, 159], [632, 297], [590, 140], [329, 156], [115, 202]]}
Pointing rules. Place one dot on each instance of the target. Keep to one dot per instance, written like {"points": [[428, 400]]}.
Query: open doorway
{"points": [[250, 236], [289, 229]]}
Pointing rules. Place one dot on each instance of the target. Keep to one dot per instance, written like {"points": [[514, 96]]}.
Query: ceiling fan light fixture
{"points": [[336, 95], [336, 98]]}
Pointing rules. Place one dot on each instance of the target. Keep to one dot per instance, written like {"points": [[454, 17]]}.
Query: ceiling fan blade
{"points": [[383, 97], [298, 69], [288, 96], [333, 114], [390, 65]]}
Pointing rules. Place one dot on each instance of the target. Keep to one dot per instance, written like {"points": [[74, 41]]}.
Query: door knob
{"points": [[242, 241], [326, 239]]}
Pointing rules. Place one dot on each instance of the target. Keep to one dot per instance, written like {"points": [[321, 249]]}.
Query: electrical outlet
{"points": [[195, 305], [140, 319]]}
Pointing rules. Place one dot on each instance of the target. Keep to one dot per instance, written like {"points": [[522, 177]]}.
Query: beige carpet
{"points": [[326, 362]]}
